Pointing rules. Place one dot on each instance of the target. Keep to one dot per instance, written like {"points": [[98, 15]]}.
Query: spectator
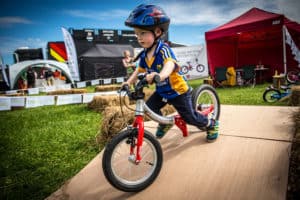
{"points": [[56, 74], [128, 63], [31, 77], [49, 77], [22, 82]]}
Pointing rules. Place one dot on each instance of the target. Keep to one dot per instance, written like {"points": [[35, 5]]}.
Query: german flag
{"points": [[57, 51]]}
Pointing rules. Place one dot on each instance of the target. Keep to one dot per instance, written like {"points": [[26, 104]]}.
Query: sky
{"points": [[34, 23]]}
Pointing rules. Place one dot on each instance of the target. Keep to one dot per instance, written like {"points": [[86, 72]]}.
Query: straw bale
{"points": [[168, 109], [99, 103], [114, 120], [68, 91], [102, 88]]}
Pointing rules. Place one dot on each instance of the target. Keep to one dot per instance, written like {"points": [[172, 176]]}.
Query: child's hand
{"points": [[149, 77]]}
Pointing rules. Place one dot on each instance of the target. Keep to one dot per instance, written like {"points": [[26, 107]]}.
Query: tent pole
{"points": [[284, 49]]}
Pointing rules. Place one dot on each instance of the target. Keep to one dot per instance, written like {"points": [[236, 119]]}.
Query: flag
{"points": [[71, 53]]}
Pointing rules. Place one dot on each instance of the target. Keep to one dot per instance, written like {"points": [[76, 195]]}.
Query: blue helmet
{"points": [[148, 17]]}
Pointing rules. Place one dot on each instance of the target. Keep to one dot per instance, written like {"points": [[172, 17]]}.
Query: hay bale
{"points": [[295, 96], [168, 109], [103, 88], [99, 103], [114, 121], [68, 91]]}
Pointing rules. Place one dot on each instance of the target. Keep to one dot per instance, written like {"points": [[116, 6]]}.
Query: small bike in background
{"points": [[189, 67], [293, 77], [272, 94]]}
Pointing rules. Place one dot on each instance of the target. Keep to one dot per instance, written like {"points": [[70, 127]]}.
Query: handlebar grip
{"points": [[124, 88], [156, 79]]}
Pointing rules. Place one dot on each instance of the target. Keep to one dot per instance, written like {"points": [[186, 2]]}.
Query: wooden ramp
{"points": [[249, 161]]}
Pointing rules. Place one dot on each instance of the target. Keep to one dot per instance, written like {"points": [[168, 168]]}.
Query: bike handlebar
{"points": [[138, 89]]}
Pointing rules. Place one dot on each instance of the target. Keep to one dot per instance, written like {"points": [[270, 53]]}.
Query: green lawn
{"points": [[43, 147]]}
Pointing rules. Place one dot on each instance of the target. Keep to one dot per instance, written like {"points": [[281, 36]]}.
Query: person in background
{"points": [[150, 22], [31, 77], [128, 63], [56, 74], [49, 77]]}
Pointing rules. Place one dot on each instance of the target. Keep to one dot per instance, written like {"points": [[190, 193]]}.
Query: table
{"points": [[259, 72]]}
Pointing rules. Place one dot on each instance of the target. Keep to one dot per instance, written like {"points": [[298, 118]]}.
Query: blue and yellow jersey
{"points": [[172, 86]]}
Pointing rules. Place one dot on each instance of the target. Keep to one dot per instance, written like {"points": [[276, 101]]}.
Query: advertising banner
{"points": [[193, 61], [72, 56]]}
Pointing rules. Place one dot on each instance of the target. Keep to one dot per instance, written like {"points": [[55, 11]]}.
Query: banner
{"points": [[193, 61], [295, 51], [71, 52]]}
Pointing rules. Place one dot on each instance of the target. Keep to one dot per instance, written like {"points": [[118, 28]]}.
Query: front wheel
{"points": [[205, 97], [271, 95], [120, 168], [184, 69], [293, 76]]}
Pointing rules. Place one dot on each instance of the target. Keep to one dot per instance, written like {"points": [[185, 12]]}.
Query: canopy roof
{"points": [[255, 37]]}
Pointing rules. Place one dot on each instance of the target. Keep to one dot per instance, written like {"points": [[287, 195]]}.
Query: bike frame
{"points": [[138, 123]]}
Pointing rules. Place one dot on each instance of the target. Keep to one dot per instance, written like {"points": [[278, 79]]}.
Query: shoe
{"points": [[206, 111], [162, 129], [212, 131]]}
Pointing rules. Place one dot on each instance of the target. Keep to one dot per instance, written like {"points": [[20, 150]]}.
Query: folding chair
{"points": [[248, 75], [220, 76]]}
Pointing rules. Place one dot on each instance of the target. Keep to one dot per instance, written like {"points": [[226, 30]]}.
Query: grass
{"points": [[41, 148]]}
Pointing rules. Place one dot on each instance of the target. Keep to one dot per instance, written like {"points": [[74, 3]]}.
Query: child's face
{"points": [[144, 37]]}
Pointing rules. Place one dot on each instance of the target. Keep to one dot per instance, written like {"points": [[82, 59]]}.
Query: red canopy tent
{"points": [[255, 37]]}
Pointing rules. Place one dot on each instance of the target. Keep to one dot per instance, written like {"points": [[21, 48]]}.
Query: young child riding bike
{"points": [[150, 23]]}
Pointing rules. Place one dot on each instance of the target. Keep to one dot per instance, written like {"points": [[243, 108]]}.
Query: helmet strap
{"points": [[156, 38]]}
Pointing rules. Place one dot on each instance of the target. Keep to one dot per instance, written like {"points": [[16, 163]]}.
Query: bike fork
{"points": [[139, 124]]}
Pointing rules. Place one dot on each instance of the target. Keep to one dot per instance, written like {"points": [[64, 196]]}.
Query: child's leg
{"points": [[186, 110], [155, 103]]}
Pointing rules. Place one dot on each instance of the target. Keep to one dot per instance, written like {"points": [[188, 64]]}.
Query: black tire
{"points": [[200, 68], [271, 95], [292, 76], [110, 169], [184, 69], [206, 95]]}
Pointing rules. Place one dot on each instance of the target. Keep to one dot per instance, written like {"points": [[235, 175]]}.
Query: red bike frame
{"points": [[139, 124]]}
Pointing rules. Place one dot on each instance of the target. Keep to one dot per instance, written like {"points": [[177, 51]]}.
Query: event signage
{"points": [[293, 46], [69, 99], [5, 103], [87, 97], [192, 60], [72, 55], [17, 101]]}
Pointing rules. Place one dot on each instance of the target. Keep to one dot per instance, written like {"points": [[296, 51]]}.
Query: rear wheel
{"points": [[120, 168], [184, 69], [204, 98], [200, 68], [271, 95]]}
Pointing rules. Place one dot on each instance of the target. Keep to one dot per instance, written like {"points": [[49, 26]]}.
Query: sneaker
{"points": [[212, 131], [162, 129], [208, 111]]}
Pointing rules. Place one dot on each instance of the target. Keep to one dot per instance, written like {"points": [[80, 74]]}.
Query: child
{"points": [[150, 22]]}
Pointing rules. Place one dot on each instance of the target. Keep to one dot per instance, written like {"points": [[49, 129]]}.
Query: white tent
{"points": [[15, 70]]}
